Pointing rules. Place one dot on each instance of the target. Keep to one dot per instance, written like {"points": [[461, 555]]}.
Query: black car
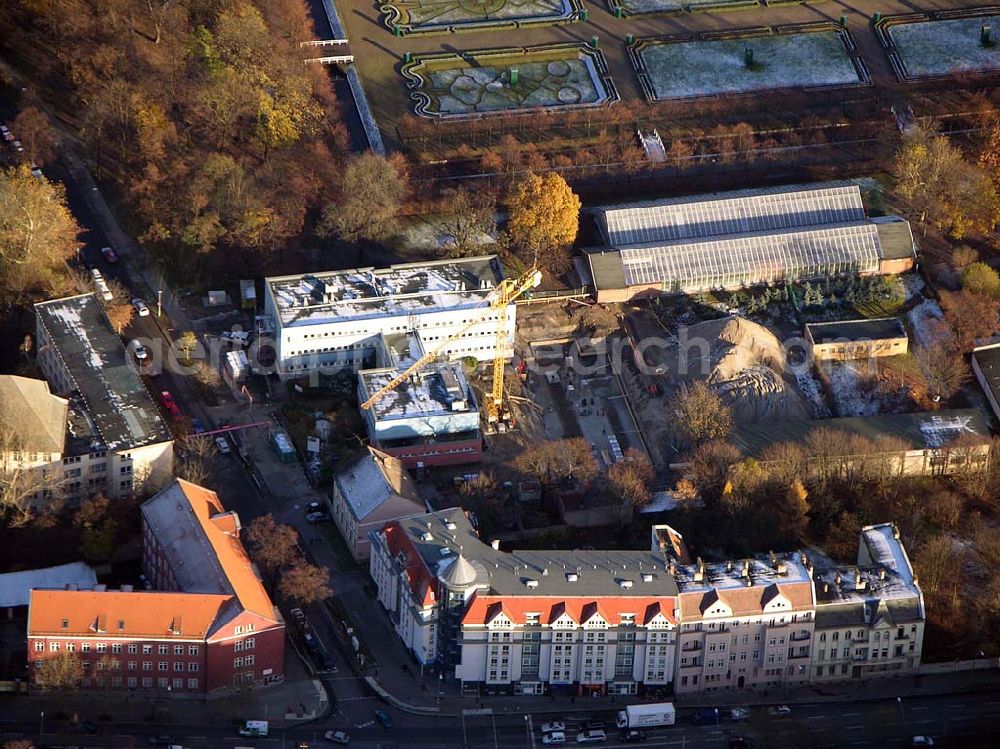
{"points": [[634, 736], [739, 742], [592, 725]]}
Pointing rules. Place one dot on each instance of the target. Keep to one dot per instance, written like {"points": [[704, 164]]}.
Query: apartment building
{"points": [[209, 626], [744, 624], [869, 617], [116, 441], [372, 491], [331, 320], [627, 622], [525, 622]]}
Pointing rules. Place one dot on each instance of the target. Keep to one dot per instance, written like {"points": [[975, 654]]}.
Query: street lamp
{"points": [[902, 717], [41, 727]]}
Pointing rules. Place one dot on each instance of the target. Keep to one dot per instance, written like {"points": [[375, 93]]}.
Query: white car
{"points": [[739, 713], [593, 736], [8, 136], [555, 737], [36, 171], [223, 444], [18, 147], [923, 741], [337, 737], [556, 725], [781, 710], [140, 351], [140, 307]]}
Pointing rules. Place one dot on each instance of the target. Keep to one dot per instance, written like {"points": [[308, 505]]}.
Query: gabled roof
{"points": [[748, 600], [373, 480], [482, 608], [419, 578], [148, 614], [202, 545], [37, 416]]}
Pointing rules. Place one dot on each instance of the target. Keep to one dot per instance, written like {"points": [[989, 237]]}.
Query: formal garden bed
{"points": [[405, 17], [470, 84], [819, 56], [933, 46], [620, 8]]}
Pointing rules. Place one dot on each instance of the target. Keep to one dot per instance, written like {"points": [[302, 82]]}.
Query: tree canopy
{"points": [[544, 218], [38, 234], [700, 415], [372, 192]]}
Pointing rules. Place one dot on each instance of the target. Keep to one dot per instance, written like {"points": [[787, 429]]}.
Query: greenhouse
{"points": [[737, 239], [729, 213], [762, 257]]}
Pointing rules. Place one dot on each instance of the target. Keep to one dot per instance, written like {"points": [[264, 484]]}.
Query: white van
{"points": [[239, 337]]}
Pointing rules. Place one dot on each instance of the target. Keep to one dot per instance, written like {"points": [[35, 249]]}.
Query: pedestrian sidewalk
{"points": [[299, 698], [419, 701]]}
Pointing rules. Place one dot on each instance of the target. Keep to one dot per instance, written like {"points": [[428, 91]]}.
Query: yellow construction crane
{"points": [[498, 299]]}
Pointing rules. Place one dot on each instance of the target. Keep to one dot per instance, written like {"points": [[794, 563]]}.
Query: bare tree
{"points": [[630, 478], [554, 463], [196, 452], [272, 546], [24, 482], [305, 583], [36, 135], [469, 217], [58, 673], [699, 415]]}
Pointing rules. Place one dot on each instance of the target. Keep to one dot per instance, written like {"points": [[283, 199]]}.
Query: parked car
{"points": [[299, 616], [109, 254], [170, 404], [36, 171], [739, 713], [223, 445], [739, 742], [318, 517], [706, 715], [555, 737], [923, 741], [383, 718], [635, 736], [337, 737], [592, 725], [781, 710], [8, 136], [314, 507], [196, 426], [239, 337], [17, 146], [556, 725], [140, 352], [140, 307], [593, 736]]}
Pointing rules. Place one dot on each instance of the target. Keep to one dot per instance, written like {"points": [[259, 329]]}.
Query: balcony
{"points": [[690, 647]]}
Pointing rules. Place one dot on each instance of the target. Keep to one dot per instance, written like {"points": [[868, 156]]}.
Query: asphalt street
{"points": [[962, 721]]}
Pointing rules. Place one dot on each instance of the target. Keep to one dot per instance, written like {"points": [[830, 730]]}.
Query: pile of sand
{"points": [[743, 361]]}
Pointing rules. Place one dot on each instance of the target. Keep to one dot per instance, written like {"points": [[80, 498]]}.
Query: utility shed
{"points": [[248, 294]]}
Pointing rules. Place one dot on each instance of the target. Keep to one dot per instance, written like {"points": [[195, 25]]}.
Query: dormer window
{"points": [[65, 623]]}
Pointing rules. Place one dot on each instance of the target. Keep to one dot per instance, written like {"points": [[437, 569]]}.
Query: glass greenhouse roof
{"points": [[758, 257], [730, 213]]}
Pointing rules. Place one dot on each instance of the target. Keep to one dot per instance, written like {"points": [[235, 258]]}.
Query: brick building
{"points": [[210, 624]]}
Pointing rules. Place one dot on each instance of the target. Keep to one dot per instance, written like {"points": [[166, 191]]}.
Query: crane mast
{"points": [[507, 291]]}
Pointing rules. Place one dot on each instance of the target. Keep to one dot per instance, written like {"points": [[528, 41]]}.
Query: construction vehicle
{"points": [[502, 295]]}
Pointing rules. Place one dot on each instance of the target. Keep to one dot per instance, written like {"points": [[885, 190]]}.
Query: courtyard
{"points": [[471, 83], [756, 62], [934, 48]]}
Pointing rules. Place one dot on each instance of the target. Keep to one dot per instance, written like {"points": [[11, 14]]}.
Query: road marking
{"points": [[854, 728], [859, 743], [914, 709], [851, 715], [814, 717], [954, 707]]}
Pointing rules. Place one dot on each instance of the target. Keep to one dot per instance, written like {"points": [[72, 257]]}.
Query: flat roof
{"points": [[919, 431], [761, 572], [120, 408], [16, 587], [413, 288], [988, 360], [576, 573], [437, 390], [857, 330]]}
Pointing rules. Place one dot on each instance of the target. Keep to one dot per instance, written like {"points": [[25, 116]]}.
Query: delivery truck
{"points": [[647, 716], [254, 728]]}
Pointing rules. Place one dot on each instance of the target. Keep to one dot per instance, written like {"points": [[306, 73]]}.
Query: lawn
{"points": [[469, 83], [643, 7], [438, 15], [931, 48], [678, 70]]}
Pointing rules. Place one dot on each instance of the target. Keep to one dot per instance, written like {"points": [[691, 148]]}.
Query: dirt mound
{"points": [[743, 361]]}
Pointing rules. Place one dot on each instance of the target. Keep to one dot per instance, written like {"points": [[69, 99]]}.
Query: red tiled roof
{"points": [[745, 601], [482, 609], [419, 577], [114, 613], [222, 530]]}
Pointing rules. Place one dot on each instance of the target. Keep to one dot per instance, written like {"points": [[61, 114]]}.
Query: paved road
{"points": [[966, 721]]}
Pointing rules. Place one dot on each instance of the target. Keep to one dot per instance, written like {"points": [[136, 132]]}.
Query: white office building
{"points": [[331, 320]]}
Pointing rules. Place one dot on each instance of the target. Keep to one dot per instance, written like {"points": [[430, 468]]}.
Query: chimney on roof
{"points": [[699, 572], [773, 556], [826, 587], [837, 578], [895, 532], [729, 565], [672, 567], [859, 582], [749, 583], [881, 573], [746, 568], [781, 567], [495, 543]]}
